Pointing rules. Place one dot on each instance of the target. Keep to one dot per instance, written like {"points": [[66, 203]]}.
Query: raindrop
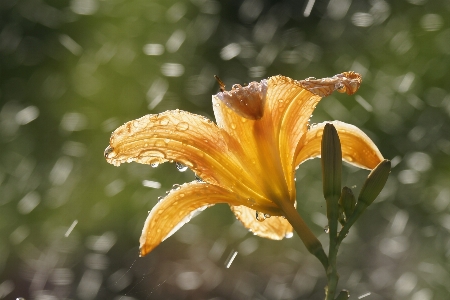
{"points": [[266, 216], [181, 167], [164, 121], [198, 179], [160, 198], [289, 235], [230, 258], [326, 229], [154, 165], [108, 151], [251, 201], [182, 126], [176, 187], [260, 216], [233, 125]]}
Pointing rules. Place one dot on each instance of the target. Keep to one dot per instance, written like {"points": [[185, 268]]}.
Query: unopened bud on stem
{"points": [[374, 183]]}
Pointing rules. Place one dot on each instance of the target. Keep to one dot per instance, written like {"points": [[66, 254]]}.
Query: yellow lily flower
{"points": [[247, 159]]}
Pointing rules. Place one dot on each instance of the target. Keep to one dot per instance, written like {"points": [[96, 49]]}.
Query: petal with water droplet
{"points": [[274, 228], [177, 208], [154, 139]]}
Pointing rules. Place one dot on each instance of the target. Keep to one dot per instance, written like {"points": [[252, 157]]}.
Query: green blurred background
{"points": [[73, 71]]}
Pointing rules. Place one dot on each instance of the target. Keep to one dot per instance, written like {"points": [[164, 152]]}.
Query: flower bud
{"points": [[331, 157], [374, 183], [347, 201]]}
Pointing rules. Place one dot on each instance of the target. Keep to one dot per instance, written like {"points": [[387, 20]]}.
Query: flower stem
{"points": [[306, 235], [332, 275]]}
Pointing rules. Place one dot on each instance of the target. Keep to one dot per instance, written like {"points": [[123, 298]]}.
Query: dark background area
{"points": [[73, 71]]}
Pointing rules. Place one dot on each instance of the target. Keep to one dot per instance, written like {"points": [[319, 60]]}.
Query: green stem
{"points": [[359, 209], [332, 275], [306, 235]]}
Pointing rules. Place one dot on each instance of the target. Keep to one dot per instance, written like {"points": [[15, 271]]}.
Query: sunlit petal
{"points": [[177, 208], [288, 106], [357, 148], [182, 204], [273, 227], [273, 135], [189, 139], [256, 148]]}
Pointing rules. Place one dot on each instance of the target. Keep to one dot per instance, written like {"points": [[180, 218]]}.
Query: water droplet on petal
{"points": [[288, 235], [266, 216], [260, 216], [251, 202], [154, 165], [164, 121], [181, 167], [198, 179], [233, 125], [108, 152], [326, 229], [182, 126], [176, 187]]}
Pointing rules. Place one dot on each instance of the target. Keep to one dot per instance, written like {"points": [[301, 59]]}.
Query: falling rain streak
{"points": [[230, 259], [74, 223], [364, 295]]}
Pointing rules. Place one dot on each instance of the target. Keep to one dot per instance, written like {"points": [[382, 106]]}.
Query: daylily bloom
{"points": [[247, 160]]}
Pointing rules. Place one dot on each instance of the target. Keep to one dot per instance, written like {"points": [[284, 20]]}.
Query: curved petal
{"points": [[190, 139], [272, 140], [268, 143], [274, 228], [177, 208], [357, 148], [292, 118], [256, 149]]}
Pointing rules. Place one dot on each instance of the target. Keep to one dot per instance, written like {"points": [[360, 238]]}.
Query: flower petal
{"points": [[274, 228], [357, 148], [288, 105], [182, 204], [189, 139], [255, 148], [177, 208]]}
